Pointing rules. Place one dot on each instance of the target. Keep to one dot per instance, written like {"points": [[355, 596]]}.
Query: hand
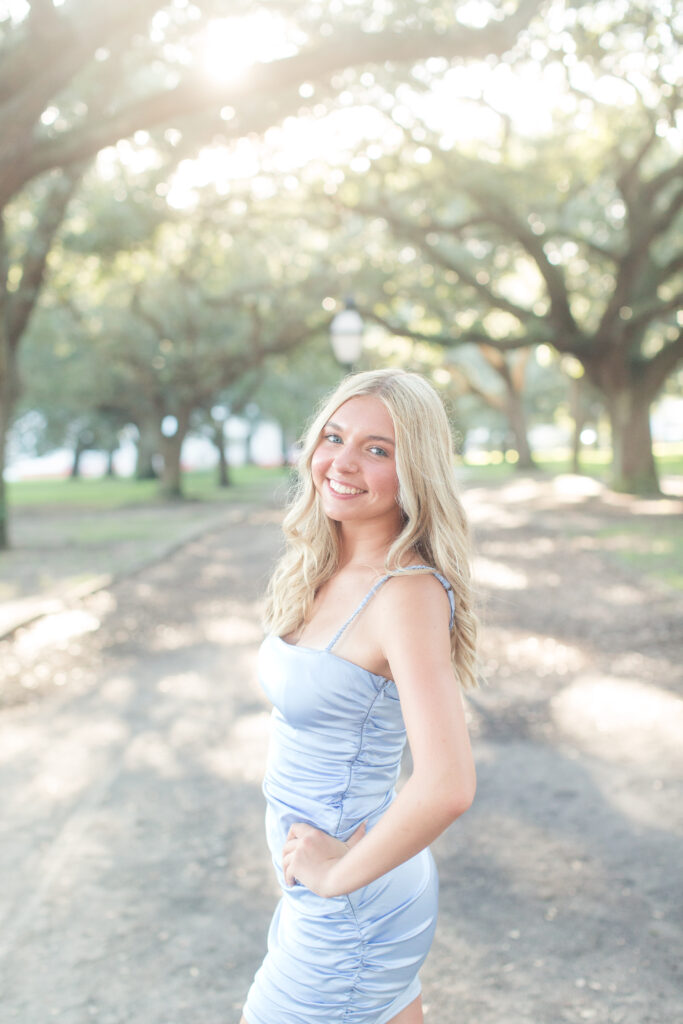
{"points": [[309, 856]]}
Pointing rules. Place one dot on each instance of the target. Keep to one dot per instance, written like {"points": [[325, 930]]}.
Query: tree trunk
{"points": [[147, 448], [171, 479], [224, 478], [8, 396], [17, 307], [81, 447], [5, 419], [514, 409], [110, 462], [512, 374], [223, 465], [248, 438], [285, 445], [633, 464], [578, 414]]}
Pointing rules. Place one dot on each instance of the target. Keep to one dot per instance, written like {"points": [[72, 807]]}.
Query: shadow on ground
{"points": [[133, 829]]}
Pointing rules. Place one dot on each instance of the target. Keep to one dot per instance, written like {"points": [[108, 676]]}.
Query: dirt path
{"points": [[137, 881]]}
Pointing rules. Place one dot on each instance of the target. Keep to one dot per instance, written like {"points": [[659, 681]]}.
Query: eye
{"points": [[333, 438], [376, 450]]}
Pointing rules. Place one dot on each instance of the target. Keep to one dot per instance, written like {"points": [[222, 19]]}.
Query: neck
{"points": [[365, 544]]}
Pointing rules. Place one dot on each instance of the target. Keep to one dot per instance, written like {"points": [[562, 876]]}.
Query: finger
{"points": [[289, 877], [288, 852], [357, 835], [298, 829]]}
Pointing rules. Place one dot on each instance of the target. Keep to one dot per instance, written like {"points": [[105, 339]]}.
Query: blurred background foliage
{"points": [[189, 190]]}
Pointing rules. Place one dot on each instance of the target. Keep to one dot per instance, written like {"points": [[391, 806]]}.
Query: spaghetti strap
{"points": [[357, 612], [373, 590]]}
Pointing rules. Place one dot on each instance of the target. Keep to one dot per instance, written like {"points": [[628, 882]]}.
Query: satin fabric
{"points": [[335, 752]]}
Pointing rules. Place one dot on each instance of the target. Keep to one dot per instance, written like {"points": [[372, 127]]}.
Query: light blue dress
{"points": [[335, 753]]}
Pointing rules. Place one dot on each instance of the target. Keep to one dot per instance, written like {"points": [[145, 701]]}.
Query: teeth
{"points": [[342, 489]]}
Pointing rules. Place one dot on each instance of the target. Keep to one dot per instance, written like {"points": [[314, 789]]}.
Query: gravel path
{"points": [[137, 881]]}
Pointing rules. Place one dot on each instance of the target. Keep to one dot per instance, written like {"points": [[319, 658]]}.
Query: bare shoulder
{"points": [[412, 628], [415, 588], [415, 597]]}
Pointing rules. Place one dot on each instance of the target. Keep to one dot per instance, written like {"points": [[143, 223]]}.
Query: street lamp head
{"points": [[346, 335]]}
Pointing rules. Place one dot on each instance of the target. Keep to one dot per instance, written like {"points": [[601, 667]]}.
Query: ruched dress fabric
{"points": [[335, 752]]}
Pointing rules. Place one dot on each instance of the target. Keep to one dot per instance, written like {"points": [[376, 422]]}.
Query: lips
{"points": [[343, 490]]}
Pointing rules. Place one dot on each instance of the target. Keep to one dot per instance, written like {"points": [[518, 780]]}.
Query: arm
{"points": [[412, 624]]}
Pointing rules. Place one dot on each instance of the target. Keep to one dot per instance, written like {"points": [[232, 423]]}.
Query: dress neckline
{"points": [[328, 649], [331, 654], [370, 594]]}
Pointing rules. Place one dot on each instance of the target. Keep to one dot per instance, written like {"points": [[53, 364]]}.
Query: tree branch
{"points": [[600, 250], [660, 224], [22, 301], [52, 54], [464, 380], [655, 184], [628, 180], [414, 233], [661, 365], [666, 270], [23, 60], [640, 320], [644, 229], [158, 328], [349, 48], [500, 213], [449, 339]]}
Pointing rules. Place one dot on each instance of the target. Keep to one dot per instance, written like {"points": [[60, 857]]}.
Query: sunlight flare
{"points": [[233, 45]]}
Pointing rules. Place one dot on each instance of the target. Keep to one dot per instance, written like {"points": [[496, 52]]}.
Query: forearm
{"points": [[410, 824]]}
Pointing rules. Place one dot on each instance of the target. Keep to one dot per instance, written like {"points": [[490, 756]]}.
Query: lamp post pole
{"points": [[346, 335]]}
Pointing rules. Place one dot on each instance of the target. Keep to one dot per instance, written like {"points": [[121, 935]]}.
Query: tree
{"points": [[85, 411], [569, 236], [510, 402], [81, 76], [162, 331]]}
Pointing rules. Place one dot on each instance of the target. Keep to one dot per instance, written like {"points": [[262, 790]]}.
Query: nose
{"points": [[345, 460]]}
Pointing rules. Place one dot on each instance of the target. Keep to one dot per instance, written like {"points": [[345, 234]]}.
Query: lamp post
{"points": [[346, 335]]}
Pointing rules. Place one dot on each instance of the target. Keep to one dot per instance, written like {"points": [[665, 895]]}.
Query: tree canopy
{"points": [[567, 232], [77, 77], [186, 187]]}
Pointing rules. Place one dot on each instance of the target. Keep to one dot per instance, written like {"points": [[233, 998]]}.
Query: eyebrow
{"points": [[370, 437]]}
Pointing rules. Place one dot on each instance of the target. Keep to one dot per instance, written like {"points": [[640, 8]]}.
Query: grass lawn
{"points": [[496, 466], [655, 550], [115, 492], [68, 534]]}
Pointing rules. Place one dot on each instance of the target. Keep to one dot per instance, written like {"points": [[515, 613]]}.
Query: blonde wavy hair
{"points": [[434, 529]]}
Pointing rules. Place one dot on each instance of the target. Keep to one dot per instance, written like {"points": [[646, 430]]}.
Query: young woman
{"points": [[369, 614]]}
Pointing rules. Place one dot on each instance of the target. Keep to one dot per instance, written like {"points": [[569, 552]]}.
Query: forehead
{"points": [[364, 412]]}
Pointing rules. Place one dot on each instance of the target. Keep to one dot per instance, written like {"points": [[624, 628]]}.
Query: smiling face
{"points": [[354, 464]]}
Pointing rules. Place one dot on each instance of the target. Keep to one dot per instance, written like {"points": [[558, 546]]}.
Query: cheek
{"points": [[394, 484], [319, 465], [388, 481]]}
